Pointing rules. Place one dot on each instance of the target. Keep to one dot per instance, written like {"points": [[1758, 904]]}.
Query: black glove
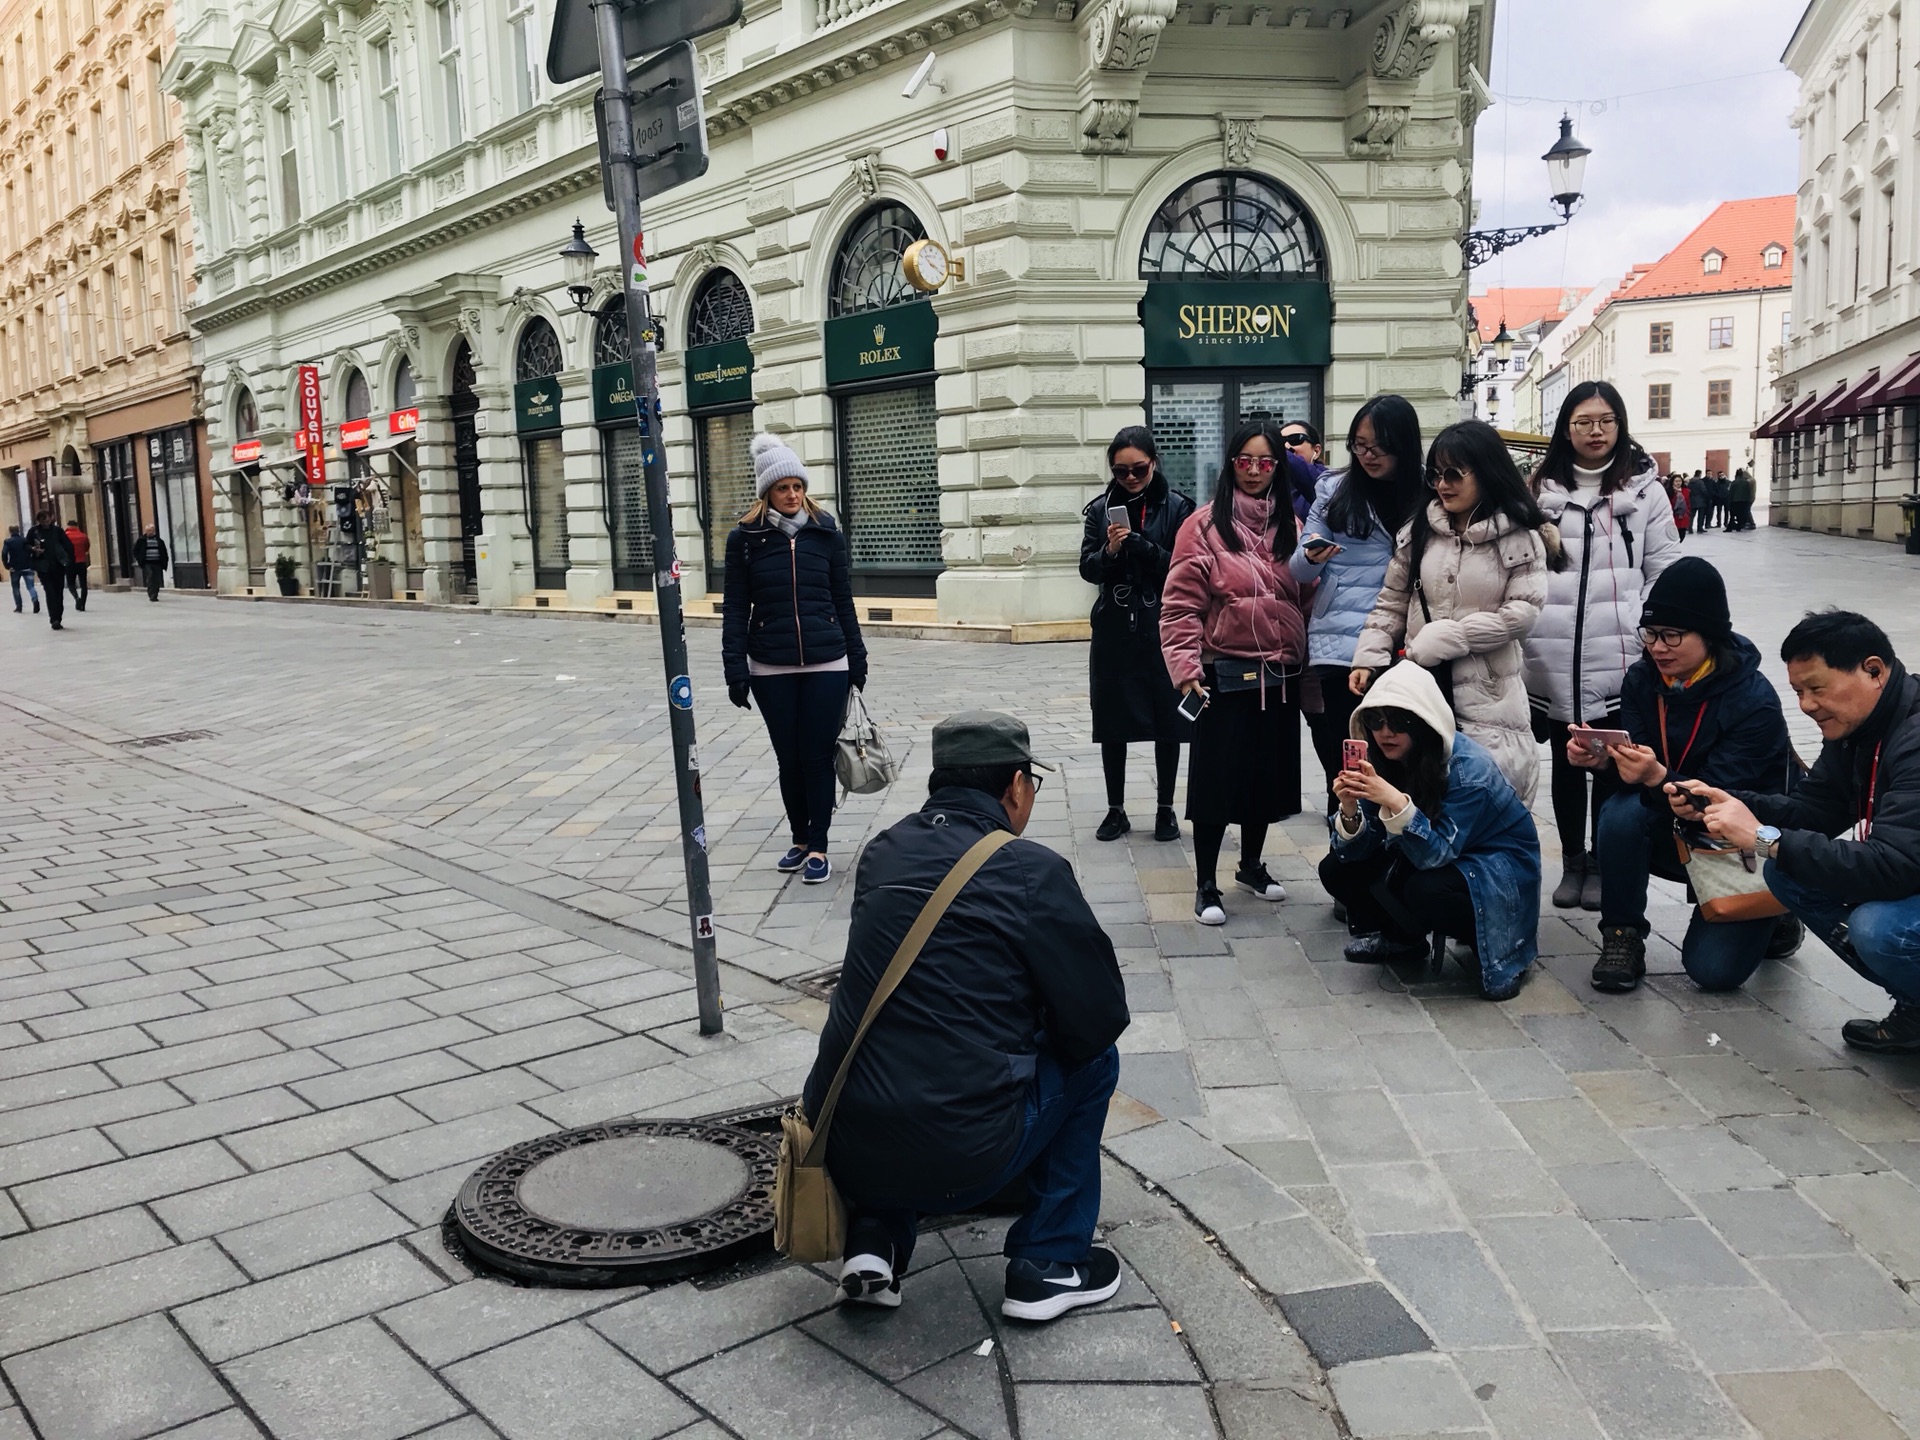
{"points": [[857, 677], [737, 692]]}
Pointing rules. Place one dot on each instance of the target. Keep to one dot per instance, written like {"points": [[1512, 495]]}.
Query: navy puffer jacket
{"points": [[789, 600], [1726, 730]]}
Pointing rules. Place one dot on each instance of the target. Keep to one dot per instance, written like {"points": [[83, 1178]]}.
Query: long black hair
{"points": [[1557, 464], [1423, 774], [1134, 437], [1279, 490], [1359, 498], [1475, 445]]}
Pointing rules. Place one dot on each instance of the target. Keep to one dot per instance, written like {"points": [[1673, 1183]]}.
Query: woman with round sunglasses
{"points": [[1614, 518], [1132, 697], [1345, 547], [1234, 635], [1468, 576], [1429, 837]]}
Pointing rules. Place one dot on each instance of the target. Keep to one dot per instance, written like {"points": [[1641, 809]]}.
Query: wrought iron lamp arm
{"points": [[1479, 246]]}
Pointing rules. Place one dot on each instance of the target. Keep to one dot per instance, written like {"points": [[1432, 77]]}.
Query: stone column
{"points": [[503, 551], [589, 548], [442, 580]]}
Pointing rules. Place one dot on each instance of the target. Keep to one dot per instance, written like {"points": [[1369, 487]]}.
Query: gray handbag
{"points": [[861, 759]]}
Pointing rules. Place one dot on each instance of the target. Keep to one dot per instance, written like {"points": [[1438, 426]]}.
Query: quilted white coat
{"points": [[1588, 634]]}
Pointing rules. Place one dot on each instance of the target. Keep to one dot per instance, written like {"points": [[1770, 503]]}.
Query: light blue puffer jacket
{"points": [[1349, 582]]}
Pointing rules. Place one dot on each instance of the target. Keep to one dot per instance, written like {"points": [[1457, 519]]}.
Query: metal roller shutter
{"points": [[627, 525], [891, 479], [726, 474]]}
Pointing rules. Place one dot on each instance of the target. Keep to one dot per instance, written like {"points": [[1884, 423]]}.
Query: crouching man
{"points": [[1843, 851], [994, 1059]]}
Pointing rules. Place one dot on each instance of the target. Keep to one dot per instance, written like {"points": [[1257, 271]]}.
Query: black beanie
{"points": [[1689, 595]]}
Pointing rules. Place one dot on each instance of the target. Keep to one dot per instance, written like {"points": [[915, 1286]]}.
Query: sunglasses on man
{"points": [[1294, 439]]}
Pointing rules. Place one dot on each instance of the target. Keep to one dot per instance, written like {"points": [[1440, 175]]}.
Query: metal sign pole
{"points": [[666, 566]]}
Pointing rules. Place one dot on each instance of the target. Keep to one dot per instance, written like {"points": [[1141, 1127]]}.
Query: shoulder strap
{"points": [[903, 958], [1416, 556]]}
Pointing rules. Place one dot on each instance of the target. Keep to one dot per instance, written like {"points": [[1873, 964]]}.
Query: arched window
{"points": [[611, 345], [866, 272], [246, 415], [1232, 225], [539, 352], [722, 310], [359, 397], [406, 390], [466, 381]]}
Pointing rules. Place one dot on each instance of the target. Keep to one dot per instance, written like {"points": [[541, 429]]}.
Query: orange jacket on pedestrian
{"points": [[82, 547]]}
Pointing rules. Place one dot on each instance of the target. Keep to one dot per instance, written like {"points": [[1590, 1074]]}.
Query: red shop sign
{"points": [[245, 452], [404, 422], [354, 434], [307, 380]]}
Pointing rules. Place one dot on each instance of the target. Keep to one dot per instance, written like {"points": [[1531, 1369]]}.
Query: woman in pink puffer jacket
{"points": [[1233, 624]]}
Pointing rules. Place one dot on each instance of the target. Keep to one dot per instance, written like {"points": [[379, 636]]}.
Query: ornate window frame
{"points": [[1229, 216], [866, 271]]}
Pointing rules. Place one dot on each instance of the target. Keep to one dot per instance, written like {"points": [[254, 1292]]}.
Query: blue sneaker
{"points": [[792, 860], [817, 871]]}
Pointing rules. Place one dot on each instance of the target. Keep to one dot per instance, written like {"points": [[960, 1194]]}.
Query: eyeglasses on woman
{"points": [[1257, 464], [1651, 637], [1594, 424]]}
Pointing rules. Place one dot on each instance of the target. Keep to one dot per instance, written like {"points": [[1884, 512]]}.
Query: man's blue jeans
{"points": [[1885, 934], [1636, 841], [1059, 1155], [32, 593]]}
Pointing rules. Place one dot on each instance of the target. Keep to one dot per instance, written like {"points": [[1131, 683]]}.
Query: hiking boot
{"points": [[869, 1280], [1566, 894], [1165, 827], [1047, 1289], [1788, 932], [790, 862], [1898, 1034], [1377, 949], [1623, 959], [1207, 908], [1260, 881], [1114, 826]]}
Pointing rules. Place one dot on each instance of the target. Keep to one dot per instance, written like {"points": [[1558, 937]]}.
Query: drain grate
{"points": [[819, 984], [147, 742]]}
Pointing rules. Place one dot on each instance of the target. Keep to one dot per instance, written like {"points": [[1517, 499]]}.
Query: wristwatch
{"points": [[1764, 841]]}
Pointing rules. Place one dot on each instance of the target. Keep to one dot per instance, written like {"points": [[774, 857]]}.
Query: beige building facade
{"points": [[99, 412]]}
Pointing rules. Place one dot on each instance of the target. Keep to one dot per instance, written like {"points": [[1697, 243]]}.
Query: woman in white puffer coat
{"points": [[1616, 525]]}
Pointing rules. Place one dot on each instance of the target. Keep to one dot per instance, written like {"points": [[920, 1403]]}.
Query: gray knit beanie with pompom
{"points": [[774, 460]]}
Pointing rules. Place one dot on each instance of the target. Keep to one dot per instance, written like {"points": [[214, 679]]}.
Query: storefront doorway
{"points": [[622, 468], [536, 409], [120, 506], [879, 352], [464, 405], [719, 370], [173, 468], [1238, 319]]}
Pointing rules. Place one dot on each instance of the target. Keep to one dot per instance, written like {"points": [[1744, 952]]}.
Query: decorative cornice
{"points": [[1407, 41], [1124, 34]]}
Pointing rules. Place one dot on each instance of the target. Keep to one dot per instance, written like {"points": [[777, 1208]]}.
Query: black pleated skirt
{"points": [[1246, 759]]}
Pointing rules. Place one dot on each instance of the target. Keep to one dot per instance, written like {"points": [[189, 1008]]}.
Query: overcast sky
{"points": [[1660, 162]]}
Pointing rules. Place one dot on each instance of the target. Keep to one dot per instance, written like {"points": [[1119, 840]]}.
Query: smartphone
{"points": [[1353, 754], [1697, 801], [1193, 702], [1597, 741], [1320, 542], [1117, 515]]}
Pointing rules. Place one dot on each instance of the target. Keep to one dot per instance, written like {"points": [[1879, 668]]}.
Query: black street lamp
{"points": [[1503, 343], [1566, 173], [579, 257]]}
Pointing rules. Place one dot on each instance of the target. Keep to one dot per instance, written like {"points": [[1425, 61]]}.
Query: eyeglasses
{"points": [[1258, 464], [1033, 780], [1391, 722], [1295, 440], [1594, 424], [1364, 451], [1447, 475], [1133, 472], [1666, 638]]}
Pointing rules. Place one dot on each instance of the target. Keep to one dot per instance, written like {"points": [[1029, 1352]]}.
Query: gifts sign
{"points": [[312, 442]]}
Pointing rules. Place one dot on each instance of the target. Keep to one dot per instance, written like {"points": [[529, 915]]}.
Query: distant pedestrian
{"points": [[1682, 508], [1722, 498], [150, 554], [1700, 502], [1303, 443], [791, 640], [77, 571], [1740, 500], [1127, 682], [19, 567], [50, 555]]}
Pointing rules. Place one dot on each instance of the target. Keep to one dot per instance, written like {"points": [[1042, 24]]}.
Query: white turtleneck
{"points": [[1582, 476]]}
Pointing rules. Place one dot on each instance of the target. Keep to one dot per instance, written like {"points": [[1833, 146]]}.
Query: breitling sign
{"points": [[876, 344], [1239, 323], [536, 405]]}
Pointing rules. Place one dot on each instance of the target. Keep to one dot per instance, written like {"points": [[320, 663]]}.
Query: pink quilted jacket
{"points": [[1242, 603]]}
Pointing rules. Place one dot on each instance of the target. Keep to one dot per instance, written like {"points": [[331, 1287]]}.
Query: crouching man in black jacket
{"points": [[1843, 851], [994, 1059]]}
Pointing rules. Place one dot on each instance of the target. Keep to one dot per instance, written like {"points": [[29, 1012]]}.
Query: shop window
{"points": [[1232, 224], [866, 272], [722, 311], [622, 459], [720, 395], [537, 360]]}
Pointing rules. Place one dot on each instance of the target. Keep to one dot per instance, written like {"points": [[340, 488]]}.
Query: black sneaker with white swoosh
{"points": [[1047, 1289]]}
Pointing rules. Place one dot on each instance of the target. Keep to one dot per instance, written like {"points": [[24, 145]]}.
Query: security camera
{"points": [[923, 76]]}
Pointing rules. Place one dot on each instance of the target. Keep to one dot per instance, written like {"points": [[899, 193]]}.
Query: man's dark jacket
{"points": [[50, 550], [150, 550], [1741, 742], [789, 600], [1834, 797], [935, 1102], [13, 554]]}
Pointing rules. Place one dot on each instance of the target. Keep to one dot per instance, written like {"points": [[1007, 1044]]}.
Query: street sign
{"points": [[572, 53], [669, 126]]}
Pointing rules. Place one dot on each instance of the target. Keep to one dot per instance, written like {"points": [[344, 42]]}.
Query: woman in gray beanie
{"points": [[791, 641]]}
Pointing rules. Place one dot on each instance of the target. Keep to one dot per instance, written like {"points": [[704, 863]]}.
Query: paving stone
{"points": [[324, 1133], [671, 1328], [1251, 1112], [574, 1069], [477, 1315], [1809, 1405], [1284, 1162], [390, 1044], [1766, 1223], [1164, 1082], [425, 1198], [1864, 1108], [1345, 1323], [1384, 1199], [125, 1182], [943, 1319], [115, 1384], [109, 1294], [386, 1077], [237, 1203], [82, 1111], [1099, 1346], [1703, 1158], [1888, 1368], [1664, 1253], [751, 1391], [274, 1310], [1450, 1283], [1526, 1394], [1231, 1195], [1254, 1412], [1566, 1132], [1442, 1123], [1500, 1183], [1166, 1152], [59, 1250], [1290, 1255], [568, 1384], [1416, 1064], [1644, 1386], [1579, 1043], [965, 1391], [348, 1383], [1725, 1085], [1740, 1328], [1881, 1212], [1803, 1145], [1517, 1074], [1099, 1412], [227, 1425], [1637, 1098], [287, 1242], [267, 1070], [469, 1138], [1404, 1395], [1840, 1293], [1563, 1273], [201, 1122], [1355, 1127]]}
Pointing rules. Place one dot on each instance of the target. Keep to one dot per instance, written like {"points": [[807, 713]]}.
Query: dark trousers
{"points": [[1329, 727], [1570, 792], [804, 714], [1398, 900], [1059, 1155], [154, 574], [1636, 842], [1166, 768], [77, 585], [56, 598], [26, 577]]}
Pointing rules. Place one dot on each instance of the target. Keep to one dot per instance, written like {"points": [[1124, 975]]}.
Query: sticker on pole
{"points": [[693, 758], [703, 927], [680, 692], [672, 576], [700, 836]]}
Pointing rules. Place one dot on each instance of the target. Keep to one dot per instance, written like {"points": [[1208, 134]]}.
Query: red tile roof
{"points": [[1522, 305], [1740, 230]]}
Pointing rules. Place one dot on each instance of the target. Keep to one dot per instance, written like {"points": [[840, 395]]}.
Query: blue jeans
{"points": [[1885, 934], [32, 593], [1059, 1154], [1635, 841]]}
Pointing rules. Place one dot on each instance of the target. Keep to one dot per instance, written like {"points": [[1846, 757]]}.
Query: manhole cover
{"points": [[819, 983], [627, 1203], [178, 737]]}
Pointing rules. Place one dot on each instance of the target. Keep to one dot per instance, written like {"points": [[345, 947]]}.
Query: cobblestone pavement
{"points": [[397, 890]]}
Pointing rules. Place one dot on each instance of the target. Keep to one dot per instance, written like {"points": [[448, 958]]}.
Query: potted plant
{"points": [[287, 574]]}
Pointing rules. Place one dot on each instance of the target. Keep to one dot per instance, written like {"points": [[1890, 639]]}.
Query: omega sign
{"points": [[882, 353]]}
